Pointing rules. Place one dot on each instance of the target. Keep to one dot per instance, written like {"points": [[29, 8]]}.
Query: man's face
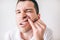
{"points": [[24, 10]]}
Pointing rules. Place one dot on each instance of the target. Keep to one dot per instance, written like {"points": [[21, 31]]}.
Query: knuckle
{"points": [[44, 27]]}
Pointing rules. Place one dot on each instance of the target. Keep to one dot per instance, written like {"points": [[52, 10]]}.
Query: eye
{"points": [[18, 12], [29, 11]]}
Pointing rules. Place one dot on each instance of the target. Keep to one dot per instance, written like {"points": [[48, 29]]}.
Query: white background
{"points": [[49, 10]]}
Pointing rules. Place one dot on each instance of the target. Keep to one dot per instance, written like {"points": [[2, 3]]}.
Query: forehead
{"points": [[25, 5]]}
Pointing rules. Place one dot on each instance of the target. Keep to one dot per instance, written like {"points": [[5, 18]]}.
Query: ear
{"points": [[38, 16]]}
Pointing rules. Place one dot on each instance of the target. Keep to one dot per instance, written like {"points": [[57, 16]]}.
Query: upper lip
{"points": [[25, 20]]}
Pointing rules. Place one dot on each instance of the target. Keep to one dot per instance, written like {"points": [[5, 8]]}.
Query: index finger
{"points": [[32, 24]]}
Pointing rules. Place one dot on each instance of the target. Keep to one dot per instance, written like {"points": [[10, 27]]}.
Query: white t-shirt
{"points": [[15, 35]]}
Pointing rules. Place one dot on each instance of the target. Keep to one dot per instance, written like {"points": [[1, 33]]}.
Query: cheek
{"points": [[18, 18], [33, 16]]}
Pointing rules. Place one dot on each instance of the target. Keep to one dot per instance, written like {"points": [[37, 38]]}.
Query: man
{"points": [[30, 26]]}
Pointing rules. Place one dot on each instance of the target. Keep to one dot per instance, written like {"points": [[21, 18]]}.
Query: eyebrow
{"points": [[18, 10], [29, 9], [25, 9]]}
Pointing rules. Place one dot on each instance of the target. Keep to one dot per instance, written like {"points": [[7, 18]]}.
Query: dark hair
{"points": [[35, 4]]}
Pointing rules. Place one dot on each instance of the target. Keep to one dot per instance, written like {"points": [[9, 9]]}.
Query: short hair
{"points": [[35, 4]]}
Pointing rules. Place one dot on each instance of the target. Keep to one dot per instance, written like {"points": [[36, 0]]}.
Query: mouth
{"points": [[24, 22]]}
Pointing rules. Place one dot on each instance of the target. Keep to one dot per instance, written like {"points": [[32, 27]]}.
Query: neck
{"points": [[28, 34]]}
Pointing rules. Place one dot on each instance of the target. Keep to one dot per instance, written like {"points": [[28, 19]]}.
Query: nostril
{"points": [[24, 16]]}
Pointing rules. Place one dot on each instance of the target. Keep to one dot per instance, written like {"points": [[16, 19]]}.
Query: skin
{"points": [[26, 11]]}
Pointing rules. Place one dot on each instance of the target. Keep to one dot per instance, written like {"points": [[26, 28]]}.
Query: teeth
{"points": [[22, 22]]}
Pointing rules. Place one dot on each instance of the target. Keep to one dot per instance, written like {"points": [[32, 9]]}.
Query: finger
{"points": [[32, 24], [41, 24], [38, 26]]}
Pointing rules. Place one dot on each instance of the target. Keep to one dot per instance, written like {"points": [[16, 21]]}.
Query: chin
{"points": [[25, 29]]}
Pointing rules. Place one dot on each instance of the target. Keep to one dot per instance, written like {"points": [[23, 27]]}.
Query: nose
{"points": [[24, 15]]}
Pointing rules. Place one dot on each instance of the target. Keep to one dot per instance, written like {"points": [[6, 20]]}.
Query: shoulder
{"points": [[8, 35], [48, 31], [11, 35], [48, 34]]}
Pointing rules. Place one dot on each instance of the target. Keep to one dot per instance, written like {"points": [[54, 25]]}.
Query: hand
{"points": [[38, 28]]}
